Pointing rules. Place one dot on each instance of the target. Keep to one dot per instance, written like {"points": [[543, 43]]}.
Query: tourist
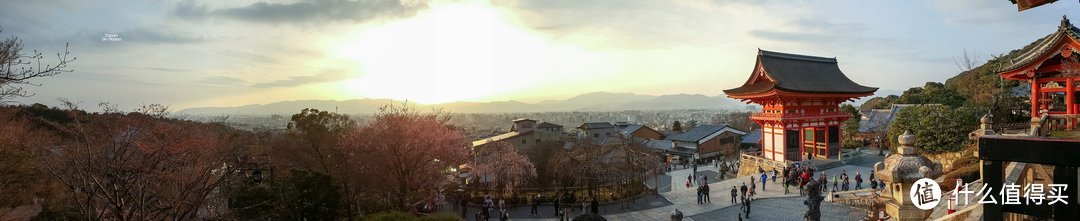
{"points": [[753, 187], [746, 205], [689, 178], [858, 180], [835, 181], [871, 174], [786, 183], [823, 180], [584, 206], [764, 178], [502, 204], [700, 190], [844, 178], [704, 192], [535, 205], [774, 175], [873, 184], [505, 216], [743, 190], [558, 197], [595, 206], [734, 193]]}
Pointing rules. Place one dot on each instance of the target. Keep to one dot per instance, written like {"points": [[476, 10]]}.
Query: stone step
{"points": [[829, 165]]}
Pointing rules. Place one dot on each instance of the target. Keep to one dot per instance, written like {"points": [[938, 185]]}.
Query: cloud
{"points": [[248, 56], [293, 81], [223, 80], [138, 36], [305, 12]]}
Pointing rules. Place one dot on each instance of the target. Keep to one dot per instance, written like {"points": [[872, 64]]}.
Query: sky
{"points": [[192, 53]]}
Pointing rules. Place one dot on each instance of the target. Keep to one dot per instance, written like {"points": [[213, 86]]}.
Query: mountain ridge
{"points": [[594, 101]]}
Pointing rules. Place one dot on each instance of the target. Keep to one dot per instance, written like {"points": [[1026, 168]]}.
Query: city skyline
{"points": [[196, 54]]}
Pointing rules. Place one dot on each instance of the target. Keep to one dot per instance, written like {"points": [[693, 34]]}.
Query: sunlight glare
{"points": [[452, 51]]}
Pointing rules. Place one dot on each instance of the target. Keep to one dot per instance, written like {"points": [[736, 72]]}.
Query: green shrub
{"points": [[968, 173]]}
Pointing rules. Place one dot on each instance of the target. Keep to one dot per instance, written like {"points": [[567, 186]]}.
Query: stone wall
{"points": [[748, 165], [947, 159]]}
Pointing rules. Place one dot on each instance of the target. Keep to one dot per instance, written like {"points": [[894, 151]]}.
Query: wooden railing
{"points": [[798, 115]]}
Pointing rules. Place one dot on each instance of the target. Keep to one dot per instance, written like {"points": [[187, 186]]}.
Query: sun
{"points": [[453, 51]]}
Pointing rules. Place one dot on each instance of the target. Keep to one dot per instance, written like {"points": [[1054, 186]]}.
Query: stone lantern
{"points": [[899, 172]]}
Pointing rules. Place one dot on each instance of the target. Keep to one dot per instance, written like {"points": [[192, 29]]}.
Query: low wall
{"points": [[863, 198], [851, 155], [947, 159], [748, 164]]}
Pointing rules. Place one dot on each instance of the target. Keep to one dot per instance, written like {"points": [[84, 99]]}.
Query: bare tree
{"points": [[968, 61], [139, 167], [17, 68]]}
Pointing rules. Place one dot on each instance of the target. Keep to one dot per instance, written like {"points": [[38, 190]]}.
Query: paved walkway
{"points": [[721, 208], [685, 199], [792, 209]]}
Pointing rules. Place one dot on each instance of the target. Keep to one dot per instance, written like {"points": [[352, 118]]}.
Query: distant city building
{"points": [[708, 141], [597, 130], [525, 135], [641, 132]]}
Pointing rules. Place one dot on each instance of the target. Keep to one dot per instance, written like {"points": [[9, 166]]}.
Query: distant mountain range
{"points": [[596, 101]]}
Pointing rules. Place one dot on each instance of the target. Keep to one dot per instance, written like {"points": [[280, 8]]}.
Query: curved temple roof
{"points": [[1049, 44], [798, 73]]}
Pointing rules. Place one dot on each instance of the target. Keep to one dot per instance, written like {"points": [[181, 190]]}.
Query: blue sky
{"points": [[218, 53]]}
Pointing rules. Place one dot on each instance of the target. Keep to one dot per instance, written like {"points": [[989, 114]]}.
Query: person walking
{"points": [[844, 180], [734, 193], [699, 192], [753, 188], [743, 190], [558, 197], [835, 182], [786, 184], [705, 192], [689, 179], [858, 180], [774, 175], [535, 205], [764, 178], [746, 207]]}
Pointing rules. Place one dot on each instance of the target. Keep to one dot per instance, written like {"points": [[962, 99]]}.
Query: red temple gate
{"points": [[800, 96]]}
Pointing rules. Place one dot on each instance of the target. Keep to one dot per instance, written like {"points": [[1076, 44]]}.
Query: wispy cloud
{"points": [[248, 56], [293, 81], [304, 12], [223, 80]]}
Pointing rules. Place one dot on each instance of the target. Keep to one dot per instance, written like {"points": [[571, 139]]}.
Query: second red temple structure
{"points": [[800, 97]]}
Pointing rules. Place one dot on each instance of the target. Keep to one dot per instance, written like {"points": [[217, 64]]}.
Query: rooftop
{"points": [[595, 125], [797, 73], [702, 131]]}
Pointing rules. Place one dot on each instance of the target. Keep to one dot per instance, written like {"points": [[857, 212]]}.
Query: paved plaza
{"points": [[674, 194]]}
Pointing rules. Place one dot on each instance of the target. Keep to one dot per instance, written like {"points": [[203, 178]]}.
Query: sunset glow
{"points": [[450, 52]]}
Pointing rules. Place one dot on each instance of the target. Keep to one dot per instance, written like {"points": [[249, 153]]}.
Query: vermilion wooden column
{"points": [[1034, 98], [1069, 103]]}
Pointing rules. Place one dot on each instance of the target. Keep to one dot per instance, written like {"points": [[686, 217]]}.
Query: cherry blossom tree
{"points": [[503, 168], [402, 156], [141, 167]]}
